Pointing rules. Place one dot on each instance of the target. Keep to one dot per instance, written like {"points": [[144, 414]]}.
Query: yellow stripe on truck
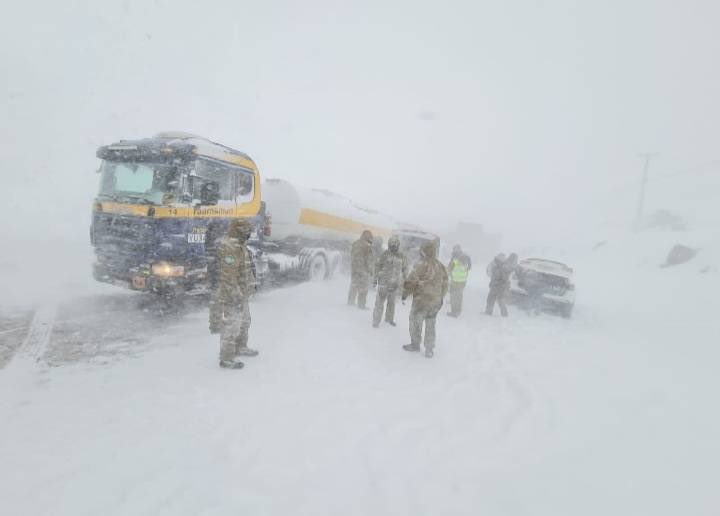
{"points": [[309, 217], [167, 212]]}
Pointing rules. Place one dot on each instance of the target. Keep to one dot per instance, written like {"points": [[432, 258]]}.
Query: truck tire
{"points": [[318, 268], [567, 311]]}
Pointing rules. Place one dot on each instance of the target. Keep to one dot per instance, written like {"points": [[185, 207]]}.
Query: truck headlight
{"points": [[167, 270]]}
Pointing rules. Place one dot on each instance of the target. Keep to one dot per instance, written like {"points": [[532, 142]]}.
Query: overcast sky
{"points": [[508, 113]]}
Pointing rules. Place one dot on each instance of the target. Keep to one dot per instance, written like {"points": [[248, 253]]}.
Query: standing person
{"points": [[458, 269], [361, 263], [499, 284], [390, 274], [236, 282], [428, 284]]}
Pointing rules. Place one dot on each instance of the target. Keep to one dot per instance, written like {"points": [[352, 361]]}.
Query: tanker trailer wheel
{"points": [[318, 269]]}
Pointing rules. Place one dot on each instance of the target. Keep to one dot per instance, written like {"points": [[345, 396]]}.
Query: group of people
{"points": [[427, 283], [233, 280]]}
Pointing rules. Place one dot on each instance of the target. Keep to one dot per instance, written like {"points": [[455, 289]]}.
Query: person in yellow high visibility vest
{"points": [[458, 270]]}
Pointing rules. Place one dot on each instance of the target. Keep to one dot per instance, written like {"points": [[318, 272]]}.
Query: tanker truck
{"points": [[163, 200], [310, 231]]}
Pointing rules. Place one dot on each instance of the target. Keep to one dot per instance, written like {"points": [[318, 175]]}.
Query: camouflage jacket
{"points": [[428, 283], [361, 258], [236, 272], [499, 274], [391, 269]]}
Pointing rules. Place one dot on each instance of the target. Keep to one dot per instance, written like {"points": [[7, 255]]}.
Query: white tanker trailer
{"points": [[311, 230]]}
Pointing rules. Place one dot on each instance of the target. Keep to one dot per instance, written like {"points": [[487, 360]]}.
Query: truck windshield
{"points": [[148, 183]]}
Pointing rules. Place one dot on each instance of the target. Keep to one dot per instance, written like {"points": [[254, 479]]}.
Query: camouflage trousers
{"points": [[456, 297], [359, 286], [234, 332], [497, 294], [215, 315], [420, 315], [384, 294]]}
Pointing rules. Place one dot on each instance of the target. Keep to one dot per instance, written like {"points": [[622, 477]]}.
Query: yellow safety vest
{"points": [[459, 272]]}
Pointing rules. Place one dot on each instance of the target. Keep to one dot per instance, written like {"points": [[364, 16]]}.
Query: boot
{"points": [[429, 353], [231, 364], [411, 347], [391, 323], [247, 352]]}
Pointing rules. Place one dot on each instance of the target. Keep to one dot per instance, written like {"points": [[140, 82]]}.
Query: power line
{"points": [[697, 169]]}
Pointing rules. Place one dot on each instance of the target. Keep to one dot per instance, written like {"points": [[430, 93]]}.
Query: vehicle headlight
{"points": [[167, 270]]}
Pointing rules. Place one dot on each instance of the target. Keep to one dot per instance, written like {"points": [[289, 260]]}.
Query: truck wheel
{"points": [[567, 311], [318, 269]]}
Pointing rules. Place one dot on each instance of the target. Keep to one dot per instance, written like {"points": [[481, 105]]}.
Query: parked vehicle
{"points": [[312, 230], [543, 285]]}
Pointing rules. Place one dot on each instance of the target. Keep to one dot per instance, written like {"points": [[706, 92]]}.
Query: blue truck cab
{"points": [[161, 205]]}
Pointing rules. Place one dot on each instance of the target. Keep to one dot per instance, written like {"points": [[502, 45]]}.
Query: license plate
{"points": [[138, 282]]}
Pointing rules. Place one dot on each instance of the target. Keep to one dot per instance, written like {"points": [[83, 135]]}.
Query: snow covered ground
{"points": [[611, 412]]}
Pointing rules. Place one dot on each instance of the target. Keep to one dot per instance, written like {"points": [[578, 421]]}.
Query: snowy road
{"points": [[128, 413]]}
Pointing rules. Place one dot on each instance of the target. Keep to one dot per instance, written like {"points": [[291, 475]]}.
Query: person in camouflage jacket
{"points": [[428, 284], [390, 273], [235, 285], [499, 274], [361, 263]]}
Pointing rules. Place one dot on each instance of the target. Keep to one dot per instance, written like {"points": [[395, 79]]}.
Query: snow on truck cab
{"points": [[158, 198], [540, 284]]}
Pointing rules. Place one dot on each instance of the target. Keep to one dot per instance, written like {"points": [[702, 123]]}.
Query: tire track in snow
{"points": [[38, 336], [522, 400]]}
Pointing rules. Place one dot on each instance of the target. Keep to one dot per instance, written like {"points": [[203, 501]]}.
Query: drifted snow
{"points": [[611, 412]]}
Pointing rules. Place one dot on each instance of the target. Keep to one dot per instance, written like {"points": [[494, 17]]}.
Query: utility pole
{"points": [[641, 199]]}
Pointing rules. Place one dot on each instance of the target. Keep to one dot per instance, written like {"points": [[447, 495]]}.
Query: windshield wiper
{"points": [[129, 198], [143, 200], [137, 198]]}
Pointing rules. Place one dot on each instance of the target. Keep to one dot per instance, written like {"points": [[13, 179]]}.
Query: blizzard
{"points": [[562, 129], [610, 412]]}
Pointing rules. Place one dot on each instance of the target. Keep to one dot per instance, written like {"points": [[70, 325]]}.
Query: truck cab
{"points": [[161, 205]]}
